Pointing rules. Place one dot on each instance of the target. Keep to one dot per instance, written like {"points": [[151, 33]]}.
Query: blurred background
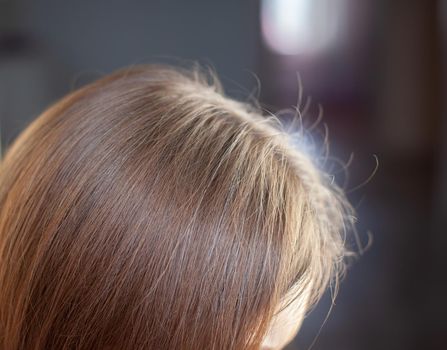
{"points": [[378, 68]]}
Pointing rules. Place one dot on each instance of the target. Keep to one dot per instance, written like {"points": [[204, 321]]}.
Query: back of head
{"points": [[147, 210]]}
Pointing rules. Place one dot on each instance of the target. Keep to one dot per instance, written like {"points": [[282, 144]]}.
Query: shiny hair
{"points": [[148, 210]]}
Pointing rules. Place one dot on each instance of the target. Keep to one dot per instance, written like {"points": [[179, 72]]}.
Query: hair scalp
{"points": [[147, 210]]}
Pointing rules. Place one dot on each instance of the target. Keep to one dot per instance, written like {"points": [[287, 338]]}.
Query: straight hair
{"points": [[148, 210]]}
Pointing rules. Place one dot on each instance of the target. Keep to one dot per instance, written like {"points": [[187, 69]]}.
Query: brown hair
{"points": [[149, 210]]}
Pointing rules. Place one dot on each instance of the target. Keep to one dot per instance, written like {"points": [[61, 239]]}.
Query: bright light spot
{"points": [[293, 27]]}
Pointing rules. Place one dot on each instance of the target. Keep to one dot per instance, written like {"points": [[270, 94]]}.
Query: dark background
{"points": [[382, 82]]}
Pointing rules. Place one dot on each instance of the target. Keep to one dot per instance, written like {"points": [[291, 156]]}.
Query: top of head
{"points": [[149, 210]]}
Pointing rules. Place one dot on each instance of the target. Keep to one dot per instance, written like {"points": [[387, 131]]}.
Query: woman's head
{"points": [[148, 210]]}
